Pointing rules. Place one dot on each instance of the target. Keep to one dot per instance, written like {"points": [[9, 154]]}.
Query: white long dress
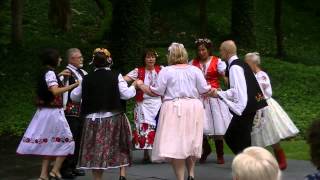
{"points": [[218, 116], [145, 113], [48, 133], [271, 124]]}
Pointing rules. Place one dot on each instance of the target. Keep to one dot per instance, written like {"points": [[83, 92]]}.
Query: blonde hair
{"points": [[255, 163], [177, 54], [254, 57]]}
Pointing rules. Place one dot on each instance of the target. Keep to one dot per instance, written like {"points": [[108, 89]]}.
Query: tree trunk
{"points": [[60, 14], [203, 14], [17, 15], [278, 28], [100, 5], [243, 23], [130, 28]]}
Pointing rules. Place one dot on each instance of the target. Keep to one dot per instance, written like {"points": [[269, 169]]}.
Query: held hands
{"points": [[74, 85], [137, 83], [213, 93]]}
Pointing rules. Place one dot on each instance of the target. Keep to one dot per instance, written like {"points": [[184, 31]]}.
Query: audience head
{"points": [[150, 57], [228, 49], [253, 60], [177, 54], [204, 47], [74, 57], [50, 57], [255, 163], [101, 58], [313, 140]]}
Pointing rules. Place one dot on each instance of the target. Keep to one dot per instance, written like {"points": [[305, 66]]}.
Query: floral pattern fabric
{"points": [[143, 136], [106, 143]]}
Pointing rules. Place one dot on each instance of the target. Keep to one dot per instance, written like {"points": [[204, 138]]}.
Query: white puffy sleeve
{"points": [[202, 84], [236, 97], [76, 93], [265, 84], [133, 74], [125, 91], [161, 84], [221, 66], [51, 79]]}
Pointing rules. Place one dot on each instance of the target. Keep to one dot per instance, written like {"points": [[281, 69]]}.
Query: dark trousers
{"points": [[238, 135], [76, 125]]}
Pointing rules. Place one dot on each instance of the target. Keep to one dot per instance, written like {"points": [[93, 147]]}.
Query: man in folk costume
{"points": [[72, 111], [217, 112], [244, 97]]}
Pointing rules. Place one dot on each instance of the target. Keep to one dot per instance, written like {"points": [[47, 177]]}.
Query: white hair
{"points": [[254, 57], [71, 51], [177, 54], [255, 163]]}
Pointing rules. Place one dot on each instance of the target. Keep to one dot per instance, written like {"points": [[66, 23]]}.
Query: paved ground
{"points": [[209, 171]]}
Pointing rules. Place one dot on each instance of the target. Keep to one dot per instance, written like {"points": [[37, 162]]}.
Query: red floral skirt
{"points": [[143, 136], [106, 143]]}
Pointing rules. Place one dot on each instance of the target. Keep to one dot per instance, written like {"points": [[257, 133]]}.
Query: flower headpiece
{"points": [[207, 42], [103, 51]]}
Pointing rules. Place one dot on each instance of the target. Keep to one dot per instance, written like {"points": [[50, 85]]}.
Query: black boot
{"points": [[122, 178]]}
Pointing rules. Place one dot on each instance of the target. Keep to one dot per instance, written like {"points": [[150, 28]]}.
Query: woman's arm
{"points": [[128, 79], [146, 89], [59, 90]]}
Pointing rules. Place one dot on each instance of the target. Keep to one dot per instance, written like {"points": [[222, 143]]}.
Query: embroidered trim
{"points": [[45, 140]]}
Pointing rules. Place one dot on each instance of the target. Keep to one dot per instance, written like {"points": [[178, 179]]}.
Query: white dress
{"points": [[48, 133], [218, 116], [145, 112], [180, 128], [271, 124]]}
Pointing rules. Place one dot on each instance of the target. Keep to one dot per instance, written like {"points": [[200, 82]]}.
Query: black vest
{"points": [[256, 99], [100, 92]]}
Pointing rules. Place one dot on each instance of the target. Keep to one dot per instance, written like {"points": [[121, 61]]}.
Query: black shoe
{"points": [[122, 178], [78, 172], [67, 174], [190, 178], [54, 176]]}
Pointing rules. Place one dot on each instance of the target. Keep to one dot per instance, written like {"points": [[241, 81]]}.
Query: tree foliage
{"points": [[60, 14], [278, 28], [17, 15], [129, 32], [243, 23]]}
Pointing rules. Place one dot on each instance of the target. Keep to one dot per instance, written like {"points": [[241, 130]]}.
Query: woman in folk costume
{"points": [[106, 136], [180, 128], [48, 134], [147, 107], [271, 124], [218, 115]]}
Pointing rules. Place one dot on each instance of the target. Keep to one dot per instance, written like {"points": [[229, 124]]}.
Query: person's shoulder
{"points": [[262, 74], [50, 73], [195, 69], [315, 176], [166, 68]]}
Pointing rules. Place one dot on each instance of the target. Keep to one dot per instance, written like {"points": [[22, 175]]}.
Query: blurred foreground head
{"points": [[255, 163]]}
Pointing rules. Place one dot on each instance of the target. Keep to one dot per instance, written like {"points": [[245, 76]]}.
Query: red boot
{"points": [[281, 158], [219, 151], [206, 150]]}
